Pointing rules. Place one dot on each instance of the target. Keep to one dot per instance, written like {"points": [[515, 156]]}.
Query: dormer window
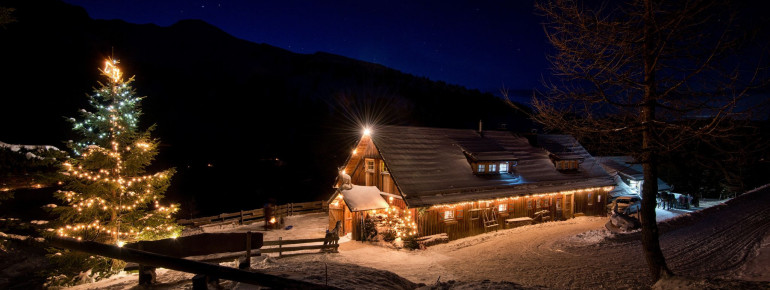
{"points": [[567, 165], [489, 162], [492, 167]]}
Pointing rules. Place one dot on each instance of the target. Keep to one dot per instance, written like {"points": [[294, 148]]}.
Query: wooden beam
{"points": [[297, 241], [290, 249], [201, 244], [146, 258]]}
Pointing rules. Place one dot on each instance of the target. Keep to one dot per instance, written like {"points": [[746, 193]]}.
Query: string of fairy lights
{"points": [[121, 112], [399, 220], [402, 222], [511, 198], [130, 194]]}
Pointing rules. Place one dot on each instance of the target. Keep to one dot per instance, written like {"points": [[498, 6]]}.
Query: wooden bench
{"points": [[516, 222], [542, 216]]}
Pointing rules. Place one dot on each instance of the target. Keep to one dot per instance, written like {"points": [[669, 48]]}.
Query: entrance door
{"points": [[567, 208], [337, 214], [348, 224]]}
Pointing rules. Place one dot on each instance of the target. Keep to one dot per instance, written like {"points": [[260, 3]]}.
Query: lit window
{"points": [[492, 167], [590, 199], [449, 214], [481, 167], [370, 165], [502, 207], [504, 167]]}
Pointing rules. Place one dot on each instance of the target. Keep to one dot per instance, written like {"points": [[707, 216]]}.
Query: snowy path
{"points": [[532, 256], [717, 242], [546, 254]]}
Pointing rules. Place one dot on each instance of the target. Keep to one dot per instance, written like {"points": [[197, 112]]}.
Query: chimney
{"points": [[481, 131], [532, 138]]}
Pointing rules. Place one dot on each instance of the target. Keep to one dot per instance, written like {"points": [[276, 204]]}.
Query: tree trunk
{"points": [[650, 233]]}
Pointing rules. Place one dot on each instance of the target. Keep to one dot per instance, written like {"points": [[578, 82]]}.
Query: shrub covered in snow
{"points": [[411, 243], [389, 235]]}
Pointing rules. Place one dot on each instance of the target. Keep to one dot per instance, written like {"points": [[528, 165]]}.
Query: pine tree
{"points": [[109, 196]]}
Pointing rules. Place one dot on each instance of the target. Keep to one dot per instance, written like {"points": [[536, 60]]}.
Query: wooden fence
{"points": [[278, 246], [184, 265], [257, 215]]}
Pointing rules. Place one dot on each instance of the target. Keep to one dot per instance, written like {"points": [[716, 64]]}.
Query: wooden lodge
{"points": [[428, 181]]}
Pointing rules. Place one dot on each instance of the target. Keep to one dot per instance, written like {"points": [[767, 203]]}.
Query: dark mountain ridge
{"points": [[241, 121]]}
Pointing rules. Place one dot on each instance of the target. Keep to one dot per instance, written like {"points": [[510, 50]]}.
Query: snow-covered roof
{"points": [[628, 168], [364, 198], [621, 188], [563, 147], [430, 165]]}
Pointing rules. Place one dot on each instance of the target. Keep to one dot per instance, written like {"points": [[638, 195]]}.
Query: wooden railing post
{"points": [[246, 264], [241, 221], [201, 281], [147, 275], [280, 253]]}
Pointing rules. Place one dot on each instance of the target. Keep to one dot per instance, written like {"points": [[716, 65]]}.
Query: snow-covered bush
{"points": [[411, 243], [389, 235]]}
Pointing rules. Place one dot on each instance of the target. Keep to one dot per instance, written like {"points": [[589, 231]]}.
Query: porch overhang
{"points": [[360, 198]]}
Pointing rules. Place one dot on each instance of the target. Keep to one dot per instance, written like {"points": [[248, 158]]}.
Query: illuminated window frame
{"points": [[449, 214], [369, 165]]}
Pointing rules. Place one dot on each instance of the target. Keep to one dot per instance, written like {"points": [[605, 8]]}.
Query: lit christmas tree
{"points": [[110, 198]]}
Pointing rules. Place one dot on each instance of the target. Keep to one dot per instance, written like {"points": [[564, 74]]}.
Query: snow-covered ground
{"points": [[724, 241]]}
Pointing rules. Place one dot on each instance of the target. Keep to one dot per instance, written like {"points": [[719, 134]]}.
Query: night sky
{"points": [[482, 45]]}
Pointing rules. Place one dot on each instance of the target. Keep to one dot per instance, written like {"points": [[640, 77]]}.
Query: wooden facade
{"points": [[367, 167], [467, 218]]}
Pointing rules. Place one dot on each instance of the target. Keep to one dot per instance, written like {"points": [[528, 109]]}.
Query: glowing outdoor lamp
{"points": [[367, 131]]}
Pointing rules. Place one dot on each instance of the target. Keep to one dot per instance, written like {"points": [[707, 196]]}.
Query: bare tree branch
{"points": [[650, 77]]}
